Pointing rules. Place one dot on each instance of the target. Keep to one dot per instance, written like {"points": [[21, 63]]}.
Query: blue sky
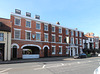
{"points": [[81, 14]]}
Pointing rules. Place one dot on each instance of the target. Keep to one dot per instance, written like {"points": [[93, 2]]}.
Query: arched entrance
{"points": [[14, 52], [45, 52], [30, 51]]}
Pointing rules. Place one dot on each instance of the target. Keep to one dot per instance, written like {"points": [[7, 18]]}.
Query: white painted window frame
{"points": [[81, 41], [30, 23], [77, 40], [72, 33], [73, 40], [61, 38], [40, 25], [61, 49], [80, 34], [26, 34], [67, 32], [47, 27], [76, 33], [67, 49], [54, 28], [19, 19], [54, 37], [1, 36], [54, 49], [40, 36], [61, 30], [44, 37], [20, 33]]}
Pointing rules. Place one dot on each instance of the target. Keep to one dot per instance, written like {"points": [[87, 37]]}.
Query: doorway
{"points": [[71, 52], [45, 52], [14, 52], [2, 52]]}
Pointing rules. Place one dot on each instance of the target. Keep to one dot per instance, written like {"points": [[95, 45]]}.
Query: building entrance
{"points": [[2, 52]]}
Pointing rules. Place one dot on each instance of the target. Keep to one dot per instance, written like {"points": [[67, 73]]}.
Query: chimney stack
{"points": [[28, 14], [58, 23], [17, 11], [37, 17], [76, 29]]}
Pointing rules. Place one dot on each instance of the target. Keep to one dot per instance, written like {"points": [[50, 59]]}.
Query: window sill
{"points": [[17, 24]]}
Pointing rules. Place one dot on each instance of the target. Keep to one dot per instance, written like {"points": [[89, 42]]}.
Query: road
{"points": [[72, 66]]}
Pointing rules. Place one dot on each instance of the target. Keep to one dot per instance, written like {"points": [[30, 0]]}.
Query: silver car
{"points": [[97, 71]]}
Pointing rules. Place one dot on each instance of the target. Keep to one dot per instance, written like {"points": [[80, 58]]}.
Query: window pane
{"points": [[76, 34], [76, 41], [17, 34], [45, 37], [1, 36], [71, 33], [52, 49], [45, 27], [72, 41], [28, 35], [59, 30], [60, 39], [37, 36], [37, 26], [28, 24], [53, 38], [17, 21], [66, 32], [59, 49], [53, 29]]}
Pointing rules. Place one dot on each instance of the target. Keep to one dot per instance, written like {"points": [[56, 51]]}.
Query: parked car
{"points": [[97, 71], [76, 56], [98, 55], [82, 55]]}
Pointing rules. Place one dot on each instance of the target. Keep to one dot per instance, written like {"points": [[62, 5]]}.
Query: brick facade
{"points": [[22, 41]]}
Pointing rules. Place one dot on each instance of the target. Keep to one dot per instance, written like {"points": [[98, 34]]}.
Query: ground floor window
{"points": [[60, 49], [53, 49], [1, 36], [67, 50]]}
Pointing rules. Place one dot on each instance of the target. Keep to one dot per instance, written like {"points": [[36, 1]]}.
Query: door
{"points": [[2, 52], [45, 52], [14, 52], [71, 52]]}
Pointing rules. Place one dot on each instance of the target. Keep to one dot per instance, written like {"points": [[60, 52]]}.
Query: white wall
{"points": [[7, 42]]}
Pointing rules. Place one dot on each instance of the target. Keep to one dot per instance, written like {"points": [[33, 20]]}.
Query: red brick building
{"points": [[34, 38], [90, 41]]}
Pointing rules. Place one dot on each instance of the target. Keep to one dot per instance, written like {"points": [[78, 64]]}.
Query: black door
{"points": [[14, 52], [2, 52], [45, 52]]}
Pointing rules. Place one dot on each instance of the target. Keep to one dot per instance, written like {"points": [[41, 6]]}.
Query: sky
{"points": [[81, 14]]}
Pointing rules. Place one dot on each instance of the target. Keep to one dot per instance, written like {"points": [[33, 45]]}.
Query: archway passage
{"points": [[45, 52], [14, 52], [30, 52]]}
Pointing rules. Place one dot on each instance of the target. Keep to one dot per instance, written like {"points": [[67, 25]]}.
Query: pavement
{"points": [[37, 60]]}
